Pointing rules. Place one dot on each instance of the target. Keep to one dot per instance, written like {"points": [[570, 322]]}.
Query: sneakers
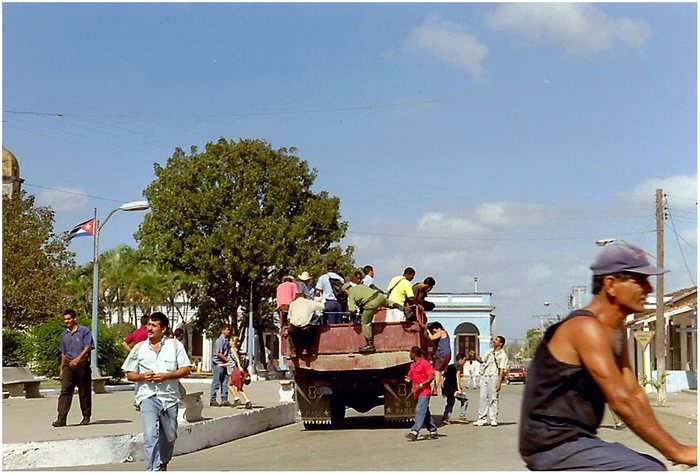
{"points": [[367, 348], [214, 403], [445, 421], [249, 404], [481, 422], [411, 436], [494, 423], [225, 404], [58, 423], [433, 435], [85, 420], [163, 466], [236, 401]]}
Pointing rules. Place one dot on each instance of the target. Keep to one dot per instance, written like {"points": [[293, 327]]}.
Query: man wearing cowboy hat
{"points": [[303, 286]]}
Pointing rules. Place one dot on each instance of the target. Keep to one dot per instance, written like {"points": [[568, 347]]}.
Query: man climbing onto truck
{"points": [[368, 301]]}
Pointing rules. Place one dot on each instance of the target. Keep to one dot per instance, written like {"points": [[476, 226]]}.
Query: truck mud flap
{"points": [[399, 405], [314, 403]]}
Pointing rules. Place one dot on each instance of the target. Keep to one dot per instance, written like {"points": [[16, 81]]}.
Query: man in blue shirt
{"points": [[75, 346], [220, 361], [156, 364], [332, 309]]}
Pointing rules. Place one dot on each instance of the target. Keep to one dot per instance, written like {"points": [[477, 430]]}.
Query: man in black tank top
{"points": [[581, 365]]}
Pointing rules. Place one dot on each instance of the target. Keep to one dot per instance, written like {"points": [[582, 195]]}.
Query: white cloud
{"points": [[682, 191], [450, 43], [577, 27], [516, 214], [439, 223], [63, 199]]}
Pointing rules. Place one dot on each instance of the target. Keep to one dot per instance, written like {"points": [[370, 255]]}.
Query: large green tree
{"points": [[237, 217], [35, 263]]}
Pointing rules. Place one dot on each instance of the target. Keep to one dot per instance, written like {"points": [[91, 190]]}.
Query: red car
{"points": [[516, 374]]}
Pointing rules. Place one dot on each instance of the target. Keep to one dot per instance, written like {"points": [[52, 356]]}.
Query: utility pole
{"points": [[660, 344]]}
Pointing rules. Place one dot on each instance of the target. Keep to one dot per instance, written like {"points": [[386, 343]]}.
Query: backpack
{"points": [[340, 294]]}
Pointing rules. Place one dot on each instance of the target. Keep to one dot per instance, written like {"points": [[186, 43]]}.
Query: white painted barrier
{"points": [[127, 448]]}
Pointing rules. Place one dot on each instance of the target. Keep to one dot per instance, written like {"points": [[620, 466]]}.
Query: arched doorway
{"points": [[466, 338]]}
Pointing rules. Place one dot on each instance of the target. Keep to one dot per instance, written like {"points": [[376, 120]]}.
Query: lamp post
{"points": [[129, 206], [547, 304]]}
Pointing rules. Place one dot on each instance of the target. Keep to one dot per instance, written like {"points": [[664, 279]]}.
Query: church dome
{"points": [[10, 165]]}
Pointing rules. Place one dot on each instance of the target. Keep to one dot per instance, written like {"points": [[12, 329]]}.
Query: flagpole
{"points": [[95, 288]]}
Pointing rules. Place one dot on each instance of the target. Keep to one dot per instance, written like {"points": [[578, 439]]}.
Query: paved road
{"points": [[366, 443]]}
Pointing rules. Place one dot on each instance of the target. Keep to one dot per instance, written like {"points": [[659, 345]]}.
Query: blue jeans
{"points": [[332, 312], [219, 382], [592, 454], [423, 416], [159, 432], [450, 403]]}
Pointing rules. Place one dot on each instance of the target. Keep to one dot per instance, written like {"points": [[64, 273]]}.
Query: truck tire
{"points": [[337, 410]]}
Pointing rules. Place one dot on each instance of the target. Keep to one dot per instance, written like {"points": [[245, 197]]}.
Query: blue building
{"points": [[468, 319]]}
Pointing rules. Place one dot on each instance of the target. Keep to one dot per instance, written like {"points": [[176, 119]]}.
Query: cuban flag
{"points": [[84, 229]]}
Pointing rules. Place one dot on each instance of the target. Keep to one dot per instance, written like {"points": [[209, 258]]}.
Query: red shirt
{"points": [[141, 334], [286, 292], [418, 373]]}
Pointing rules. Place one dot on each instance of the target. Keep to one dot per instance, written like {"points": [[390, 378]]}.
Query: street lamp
{"points": [[547, 304], [128, 206]]}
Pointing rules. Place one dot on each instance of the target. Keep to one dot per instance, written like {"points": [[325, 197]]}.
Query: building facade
{"points": [[680, 319], [467, 317]]}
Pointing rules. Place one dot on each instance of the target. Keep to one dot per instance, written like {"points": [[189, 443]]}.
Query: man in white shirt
{"points": [[493, 370], [301, 331], [157, 363]]}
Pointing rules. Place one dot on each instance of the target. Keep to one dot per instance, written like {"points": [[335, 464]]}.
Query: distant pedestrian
{"points": [[452, 390], [333, 309], [136, 336], [75, 346], [157, 364], [400, 291], [421, 375], [179, 334], [220, 361], [235, 380], [443, 352], [493, 371], [581, 364], [472, 368]]}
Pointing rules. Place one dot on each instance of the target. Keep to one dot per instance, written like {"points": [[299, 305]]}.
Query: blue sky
{"points": [[489, 140]]}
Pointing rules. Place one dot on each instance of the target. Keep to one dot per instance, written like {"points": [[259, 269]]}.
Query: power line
{"points": [[65, 191], [485, 239], [673, 225]]}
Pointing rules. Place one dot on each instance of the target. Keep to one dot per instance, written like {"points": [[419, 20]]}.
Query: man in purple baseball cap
{"points": [[580, 365]]}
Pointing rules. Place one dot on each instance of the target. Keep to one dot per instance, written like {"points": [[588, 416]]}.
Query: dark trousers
{"points": [[301, 339], [79, 376], [332, 312]]}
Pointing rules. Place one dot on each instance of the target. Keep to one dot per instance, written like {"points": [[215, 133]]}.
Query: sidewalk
{"points": [[679, 415], [26, 424]]}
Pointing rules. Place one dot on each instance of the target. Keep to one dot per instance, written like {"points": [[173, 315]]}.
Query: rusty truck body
{"points": [[335, 376]]}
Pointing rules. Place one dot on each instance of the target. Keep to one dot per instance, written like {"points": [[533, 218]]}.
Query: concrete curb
{"points": [[129, 448]]}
